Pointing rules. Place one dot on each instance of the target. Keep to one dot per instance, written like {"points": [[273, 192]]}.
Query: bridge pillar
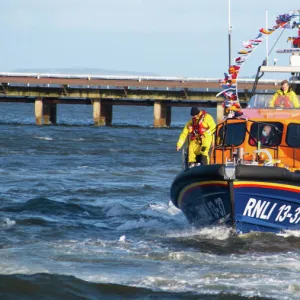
{"points": [[38, 110], [49, 113], [162, 114], [96, 112], [102, 113], [106, 113], [220, 112], [45, 113]]}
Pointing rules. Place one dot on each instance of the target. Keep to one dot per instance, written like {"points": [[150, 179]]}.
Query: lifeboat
{"points": [[253, 180]]}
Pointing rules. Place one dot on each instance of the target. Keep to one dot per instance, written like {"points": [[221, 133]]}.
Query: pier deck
{"points": [[45, 91]]}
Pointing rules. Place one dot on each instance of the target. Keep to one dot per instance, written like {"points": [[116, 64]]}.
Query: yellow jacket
{"points": [[290, 95], [207, 122]]}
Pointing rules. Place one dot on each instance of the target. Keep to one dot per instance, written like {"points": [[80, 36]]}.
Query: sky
{"points": [[158, 37]]}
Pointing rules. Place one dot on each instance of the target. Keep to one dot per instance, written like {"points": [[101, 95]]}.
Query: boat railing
{"points": [[184, 156], [236, 150], [294, 155]]}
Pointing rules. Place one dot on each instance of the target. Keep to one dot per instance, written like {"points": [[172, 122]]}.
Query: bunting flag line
{"points": [[231, 105]]}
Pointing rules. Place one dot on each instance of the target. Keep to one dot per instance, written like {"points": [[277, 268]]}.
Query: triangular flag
{"points": [[247, 45], [259, 35], [255, 41], [265, 31], [240, 60], [244, 52]]}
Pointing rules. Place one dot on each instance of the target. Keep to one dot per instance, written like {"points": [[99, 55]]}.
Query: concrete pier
{"points": [[162, 114], [45, 91], [45, 113], [38, 110], [96, 112], [102, 113], [49, 113]]}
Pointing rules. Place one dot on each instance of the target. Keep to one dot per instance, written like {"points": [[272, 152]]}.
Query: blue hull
{"points": [[207, 198], [206, 203], [265, 206]]}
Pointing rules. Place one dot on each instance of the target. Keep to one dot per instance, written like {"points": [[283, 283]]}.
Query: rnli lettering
{"points": [[265, 210], [259, 209]]}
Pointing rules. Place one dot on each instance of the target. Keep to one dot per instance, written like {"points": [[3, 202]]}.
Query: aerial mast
{"points": [[267, 40], [229, 34]]}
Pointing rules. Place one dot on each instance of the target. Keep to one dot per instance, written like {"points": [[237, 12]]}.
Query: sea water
{"points": [[85, 213]]}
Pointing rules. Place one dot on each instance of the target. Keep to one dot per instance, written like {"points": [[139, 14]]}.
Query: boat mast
{"points": [[229, 35], [267, 40]]}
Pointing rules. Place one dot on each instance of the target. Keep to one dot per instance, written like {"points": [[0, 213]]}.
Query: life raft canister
{"points": [[197, 128], [283, 101]]}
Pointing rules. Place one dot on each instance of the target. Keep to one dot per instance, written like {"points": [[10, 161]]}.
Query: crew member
{"points": [[199, 131], [285, 97], [267, 137]]}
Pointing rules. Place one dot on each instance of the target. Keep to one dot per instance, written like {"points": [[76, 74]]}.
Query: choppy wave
{"points": [[50, 286], [79, 221], [7, 223], [223, 241], [47, 207]]}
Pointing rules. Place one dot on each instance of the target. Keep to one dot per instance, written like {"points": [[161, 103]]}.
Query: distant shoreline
{"points": [[94, 71]]}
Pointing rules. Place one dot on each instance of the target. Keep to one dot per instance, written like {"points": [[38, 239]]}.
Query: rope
{"points": [[276, 41]]}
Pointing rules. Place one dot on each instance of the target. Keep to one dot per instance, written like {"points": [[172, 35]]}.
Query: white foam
{"points": [[168, 209], [45, 138], [216, 233], [8, 223], [11, 268], [186, 271], [215, 282], [163, 283], [115, 150], [122, 238], [294, 289], [156, 210], [289, 233], [173, 210], [140, 224], [117, 210]]}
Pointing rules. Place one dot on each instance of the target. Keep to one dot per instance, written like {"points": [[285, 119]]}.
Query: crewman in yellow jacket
{"points": [[285, 97], [199, 130]]}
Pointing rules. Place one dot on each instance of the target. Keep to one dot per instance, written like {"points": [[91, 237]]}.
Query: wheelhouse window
{"points": [[267, 133], [259, 101], [263, 101], [231, 134], [293, 135]]}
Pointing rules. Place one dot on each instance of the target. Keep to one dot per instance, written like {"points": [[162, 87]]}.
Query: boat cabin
{"points": [[263, 135], [273, 142]]}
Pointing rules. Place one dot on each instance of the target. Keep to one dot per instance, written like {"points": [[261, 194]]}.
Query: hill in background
{"points": [[83, 71]]}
